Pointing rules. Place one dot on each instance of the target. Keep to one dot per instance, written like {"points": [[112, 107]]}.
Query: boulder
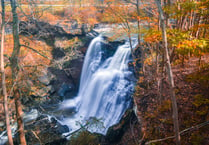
{"points": [[45, 129], [116, 132], [109, 47], [58, 53], [58, 128], [46, 77]]}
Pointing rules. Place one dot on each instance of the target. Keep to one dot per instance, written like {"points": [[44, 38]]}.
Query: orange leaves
{"points": [[49, 17], [8, 44], [196, 47], [86, 15], [29, 57], [153, 36], [30, 62]]}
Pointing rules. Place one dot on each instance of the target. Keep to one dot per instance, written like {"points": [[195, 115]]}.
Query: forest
{"points": [[104, 72]]}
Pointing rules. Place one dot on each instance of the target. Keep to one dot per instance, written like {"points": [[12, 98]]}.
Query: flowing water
{"points": [[105, 89], [104, 93]]}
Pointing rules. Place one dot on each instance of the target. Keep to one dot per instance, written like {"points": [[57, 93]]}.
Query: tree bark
{"points": [[15, 69], [138, 22], [19, 113], [198, 24], [170, 75], [139, 36], [6, 110]]}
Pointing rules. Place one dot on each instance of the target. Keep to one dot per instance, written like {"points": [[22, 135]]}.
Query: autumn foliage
{"points": [[187, 31]]}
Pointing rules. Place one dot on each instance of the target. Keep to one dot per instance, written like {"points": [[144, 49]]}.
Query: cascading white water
{"points": [[104, 91], [104, 88]]}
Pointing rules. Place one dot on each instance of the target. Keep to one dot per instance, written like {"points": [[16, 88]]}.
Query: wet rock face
{"points": [[61, 78], [109, 47], [66, 91], [116, 132], [73, 69]]}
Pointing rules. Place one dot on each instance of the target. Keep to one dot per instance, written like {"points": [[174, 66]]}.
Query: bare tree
{"points": [[6, 110], [169, 73], [15, 69]]}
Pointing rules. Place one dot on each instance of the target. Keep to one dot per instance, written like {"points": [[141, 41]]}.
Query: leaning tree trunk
{"points": [[6, 110], [170, 75], [15, 70]]}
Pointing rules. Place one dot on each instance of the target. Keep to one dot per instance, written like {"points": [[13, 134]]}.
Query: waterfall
{"points": [[104, 91]]}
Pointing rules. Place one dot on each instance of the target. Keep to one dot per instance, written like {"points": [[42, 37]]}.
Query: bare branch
{"points": [[182, 132], [36, 136], [36, 51], [131, 2]]}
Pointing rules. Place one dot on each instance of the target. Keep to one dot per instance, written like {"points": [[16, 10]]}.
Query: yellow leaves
{"points": [[193, 46], [200, 100], [195, 43], [153, 36], [185, 43]]}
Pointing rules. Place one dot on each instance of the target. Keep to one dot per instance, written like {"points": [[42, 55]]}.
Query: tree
{"points": [[136, 3], [119, 13], [6, 110], [169, 73], [15, 69]]}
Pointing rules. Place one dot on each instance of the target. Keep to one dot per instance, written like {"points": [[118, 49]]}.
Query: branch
{"points": [[181, 133], [35, 51], [149, 11], [32, 12], [158, 140], [124, 23], [36, 136], [195, 127], [128, 1], [82, 127]]}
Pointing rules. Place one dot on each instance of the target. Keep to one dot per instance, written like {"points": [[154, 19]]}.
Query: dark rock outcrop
{"points": [[45, 130], [116, 132], [43, 31], [58, 53]]}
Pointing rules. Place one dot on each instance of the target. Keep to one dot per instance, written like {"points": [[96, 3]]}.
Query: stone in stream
{"points": [[47, 129]]}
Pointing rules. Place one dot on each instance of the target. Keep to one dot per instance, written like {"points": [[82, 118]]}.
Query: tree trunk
{"points": [[138, 22], [131, 46], [198, 24], [14, 66], [157, 68], [170, 75], [19, 113], [139, 36], [6, 110]]}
